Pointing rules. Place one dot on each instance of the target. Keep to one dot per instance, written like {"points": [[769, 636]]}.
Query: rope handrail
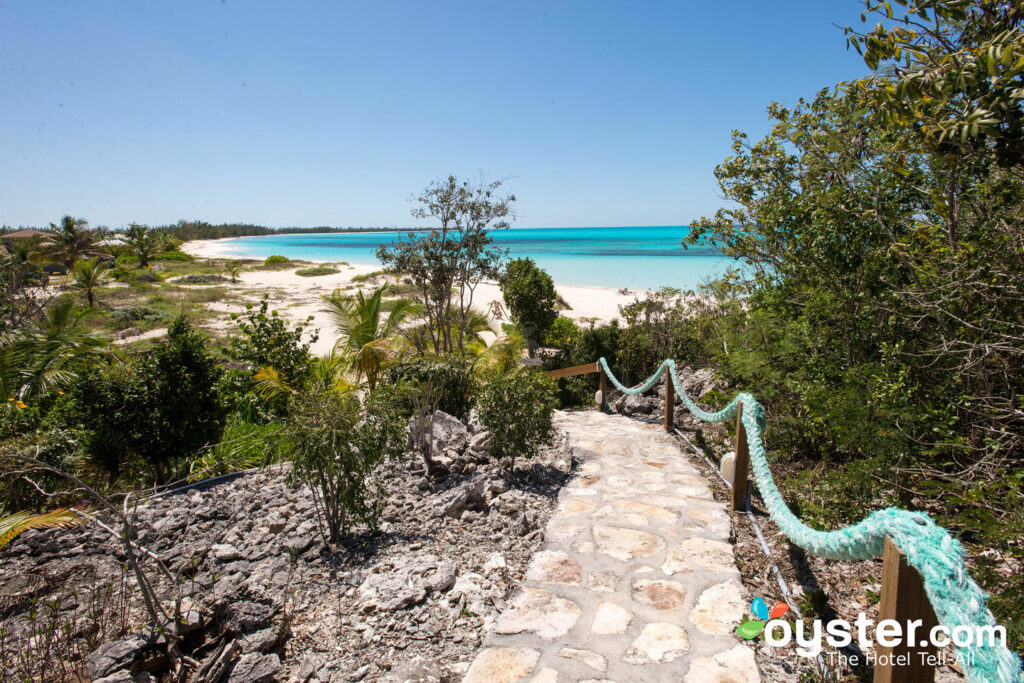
{"points": [[955, 597]]}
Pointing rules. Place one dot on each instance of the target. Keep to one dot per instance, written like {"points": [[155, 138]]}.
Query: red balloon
{"points": [[779, 609]]}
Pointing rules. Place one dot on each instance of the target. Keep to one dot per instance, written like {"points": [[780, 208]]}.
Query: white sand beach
{"points": [[297, 297]]}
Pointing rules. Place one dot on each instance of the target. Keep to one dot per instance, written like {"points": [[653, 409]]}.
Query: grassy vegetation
{"points": [[317, 270]]}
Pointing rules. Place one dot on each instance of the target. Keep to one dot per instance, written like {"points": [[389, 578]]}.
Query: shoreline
{"points": [[298, 297]]}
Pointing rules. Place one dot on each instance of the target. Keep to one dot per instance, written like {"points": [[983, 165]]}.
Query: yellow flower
{"points": [[60, 393], [21, 404]]}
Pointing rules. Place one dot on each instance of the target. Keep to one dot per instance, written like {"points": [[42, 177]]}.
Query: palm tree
{"points": [[143, 243], [39, 359], [366, 338], [89, 275], [70, 239]]}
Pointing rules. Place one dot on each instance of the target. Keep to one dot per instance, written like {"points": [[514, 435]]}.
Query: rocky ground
{"points": [[267, 600]]}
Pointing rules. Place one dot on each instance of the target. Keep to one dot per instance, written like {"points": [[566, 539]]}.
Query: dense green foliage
{"points": [[164, 407], [517, 408], [267, 340], [173, 255], [450, 379], [882, 229], [530, 296], [275, 259]]}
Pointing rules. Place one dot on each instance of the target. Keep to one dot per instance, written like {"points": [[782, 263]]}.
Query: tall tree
{"points": [[448, 263], [530, 296], [69, 240]]}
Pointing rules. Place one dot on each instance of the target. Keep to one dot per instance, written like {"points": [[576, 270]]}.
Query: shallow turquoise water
{"points": [[634, 257]]}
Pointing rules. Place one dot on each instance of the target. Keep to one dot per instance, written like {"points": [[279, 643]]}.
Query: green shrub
{"points": [[275, 259], [451, 379], [145, 277], [163, 407], [337, 449], [530, 295], [174, 255], [517, 408], [121, 273], [267, 340], [562, 334], [318, 270], [201, 279]]}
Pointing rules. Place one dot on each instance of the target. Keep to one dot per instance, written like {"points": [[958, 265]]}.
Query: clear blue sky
{"points": [[336, 113]]}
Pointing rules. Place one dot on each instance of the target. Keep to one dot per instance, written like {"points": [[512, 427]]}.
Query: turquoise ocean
{"points": [[631, 257]]}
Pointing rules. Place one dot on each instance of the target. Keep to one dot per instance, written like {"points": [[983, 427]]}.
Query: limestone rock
{"points": [[449, 433], [627, 544], [552, 566], [255, 668], [539, 611], [128, 653], [610, 619], [659, 594], [735, 665], [719, 608], [658, 642], [501, 665]]}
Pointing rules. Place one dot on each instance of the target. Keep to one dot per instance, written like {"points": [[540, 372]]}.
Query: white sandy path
{"points": [[297, 297]]}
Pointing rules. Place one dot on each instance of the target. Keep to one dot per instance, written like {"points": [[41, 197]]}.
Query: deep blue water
{"points": [[634, 257]]}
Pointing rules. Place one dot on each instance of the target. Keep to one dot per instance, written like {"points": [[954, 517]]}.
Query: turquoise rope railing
{"points": [[956, 598]]}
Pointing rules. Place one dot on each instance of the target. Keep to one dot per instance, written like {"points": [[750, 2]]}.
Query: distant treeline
{"points": [[200, 230]]}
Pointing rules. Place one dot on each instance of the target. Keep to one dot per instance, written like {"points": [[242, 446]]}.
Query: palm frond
{"points": [[12, 526], [270, 383]]}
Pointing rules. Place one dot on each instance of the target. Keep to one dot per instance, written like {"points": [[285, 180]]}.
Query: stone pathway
{"points": [[636, 580]]}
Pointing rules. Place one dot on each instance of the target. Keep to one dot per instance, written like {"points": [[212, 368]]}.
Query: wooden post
{"points": [[670, 402], [741, 464], [602, 386], [904, 600]]}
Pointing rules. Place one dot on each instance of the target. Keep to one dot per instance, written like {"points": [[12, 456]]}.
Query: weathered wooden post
{"points": [[904, 600], [670, 402], [741, 464], [602, 387]]}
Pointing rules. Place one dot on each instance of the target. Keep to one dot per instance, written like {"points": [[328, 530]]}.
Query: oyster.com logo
{"points": [[751, 628]]}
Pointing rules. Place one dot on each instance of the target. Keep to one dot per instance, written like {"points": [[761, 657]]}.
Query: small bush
{"points": [[337, 449], [267, 340], [562, 334], [144, 277], [451, 380], [121, 273], [173, 256], [199, 279], [517, 408], [275, 259], [318, 270]]}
